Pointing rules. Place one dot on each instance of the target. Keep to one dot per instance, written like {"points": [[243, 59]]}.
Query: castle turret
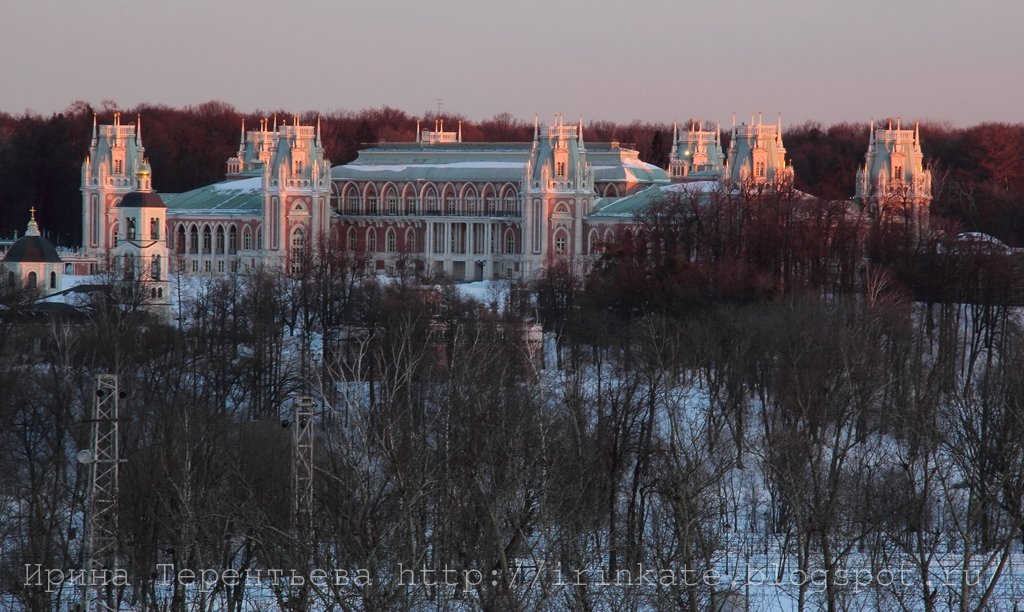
{"points": [[757, 155], [296, 188], [253, 152], [108, 174], [558, 192], [697, 153]]}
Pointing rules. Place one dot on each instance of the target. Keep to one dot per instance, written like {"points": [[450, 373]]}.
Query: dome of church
{"points": [[32, 247], [142, 199], [144, 170]]}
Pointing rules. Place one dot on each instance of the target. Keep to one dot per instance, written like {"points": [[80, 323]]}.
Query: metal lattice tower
{"points": [[101, 545], [302, 464]]}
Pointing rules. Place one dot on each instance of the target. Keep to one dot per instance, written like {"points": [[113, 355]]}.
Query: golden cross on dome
{"points": [[32, 211]]}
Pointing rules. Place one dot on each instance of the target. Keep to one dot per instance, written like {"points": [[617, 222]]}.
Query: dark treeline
{"points": [[978, 171]]}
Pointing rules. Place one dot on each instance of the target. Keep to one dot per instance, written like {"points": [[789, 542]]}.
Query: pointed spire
{"points": [[241, 139], [734, 122], [718, 136], [318, 129], [417, 130], [460, 130], [917, 134], [275, 123], [675, 132], [580, 134], [95, 130], [536, 128], [138, 130]]}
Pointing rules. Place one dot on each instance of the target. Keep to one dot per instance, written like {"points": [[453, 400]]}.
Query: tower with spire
{"points": [[108, 174], [296, 191], [253, 154], [696, 153], [757, 155], [893, 183], [558, 192]]}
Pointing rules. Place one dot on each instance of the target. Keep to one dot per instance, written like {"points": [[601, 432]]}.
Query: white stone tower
{"points": [[558, 192], [141, 251], [893, 184], [108, 174]]}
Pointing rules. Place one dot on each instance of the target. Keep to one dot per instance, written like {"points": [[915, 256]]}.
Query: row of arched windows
{"points": [[217, 240], [391, 199], [31, 280]]}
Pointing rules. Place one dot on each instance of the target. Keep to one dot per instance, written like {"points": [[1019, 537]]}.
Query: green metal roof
{"points": [[226, 197], [626, 208], [484, 162]]}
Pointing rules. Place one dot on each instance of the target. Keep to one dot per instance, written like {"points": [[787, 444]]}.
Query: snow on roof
{"points": [[464, 164]]}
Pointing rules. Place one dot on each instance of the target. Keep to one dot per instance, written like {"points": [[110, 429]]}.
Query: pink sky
{"points": [[654, 61]]}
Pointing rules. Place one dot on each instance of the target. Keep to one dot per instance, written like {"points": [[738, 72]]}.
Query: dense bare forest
{"points": [[754, 397], [979, 170]]}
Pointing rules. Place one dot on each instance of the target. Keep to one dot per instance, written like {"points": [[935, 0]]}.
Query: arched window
{"points": [[560, 243], [207, 239], [371, 240], [298, 252], [220, 239], [510, 241], [233, 240], [246, 240], [371, 200], [193, 243], [391, 201], [593, 242], [154, 228], [391, 241], [352, 245], [179, 241], [410, 240], [298, 239], [130, 230], [155, 267], [432, 208], [53, 280]]}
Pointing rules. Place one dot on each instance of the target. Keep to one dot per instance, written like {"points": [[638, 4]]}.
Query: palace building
{"points": [[471, 210]]}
